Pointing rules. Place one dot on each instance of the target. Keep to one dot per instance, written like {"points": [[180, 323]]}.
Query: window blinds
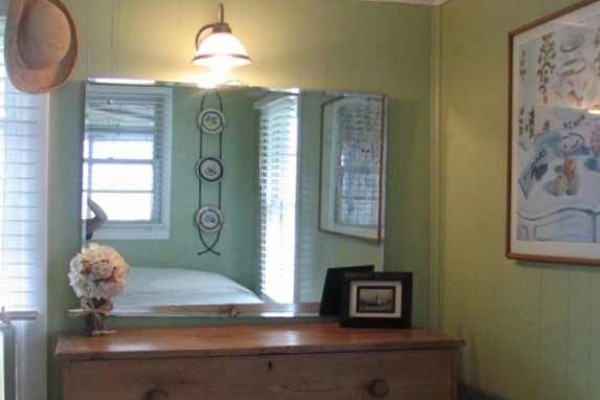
{"points": [[126, 152], [23, 146], [278, 182], [22, 196]]}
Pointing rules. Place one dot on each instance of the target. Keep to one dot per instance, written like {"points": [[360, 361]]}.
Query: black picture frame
{"points": [[377, 300], [331, 298]]}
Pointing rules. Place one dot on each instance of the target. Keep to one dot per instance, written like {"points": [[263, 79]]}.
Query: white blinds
{"points": [[278, 163], [22, 195], [23, 127], [126, 152]]}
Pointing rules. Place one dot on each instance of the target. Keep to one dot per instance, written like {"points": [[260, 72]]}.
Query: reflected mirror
{"points": [[235, 196]]}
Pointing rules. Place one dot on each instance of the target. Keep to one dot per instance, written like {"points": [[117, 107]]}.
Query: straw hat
{"points": [[40, 45]]}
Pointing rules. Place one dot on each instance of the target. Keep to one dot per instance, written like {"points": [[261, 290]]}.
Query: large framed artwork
{"points": [[554, 138], [353, 166]]}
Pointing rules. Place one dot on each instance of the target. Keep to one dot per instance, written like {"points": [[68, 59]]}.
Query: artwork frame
{"points": [[553, 180], [372, 142], [333, 287], [377, 300]]}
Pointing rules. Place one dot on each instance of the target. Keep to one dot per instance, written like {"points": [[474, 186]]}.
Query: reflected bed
{"points": [[151, 287]]}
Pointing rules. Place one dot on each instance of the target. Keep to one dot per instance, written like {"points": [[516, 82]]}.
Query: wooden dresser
{"points": [[300, 361]]}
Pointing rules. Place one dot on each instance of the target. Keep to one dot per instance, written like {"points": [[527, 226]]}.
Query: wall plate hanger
{"points": [[209, 170]]}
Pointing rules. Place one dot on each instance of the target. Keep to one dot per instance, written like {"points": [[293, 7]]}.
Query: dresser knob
{"points": [[378, 388], [158, 394]]}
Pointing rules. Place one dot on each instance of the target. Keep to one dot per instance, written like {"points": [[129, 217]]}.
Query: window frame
{"points": [[158, 228]]}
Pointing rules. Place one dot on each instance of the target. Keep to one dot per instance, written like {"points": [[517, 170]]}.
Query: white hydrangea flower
{"points": [[98, 272], [79, 283]]}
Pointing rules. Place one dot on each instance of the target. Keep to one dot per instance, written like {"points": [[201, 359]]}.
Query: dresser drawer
{"points": [[410, 374], [179, 378]]}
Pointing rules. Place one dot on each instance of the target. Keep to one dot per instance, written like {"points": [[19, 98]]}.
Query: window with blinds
{"points": [[23, 147], [127, 159], [278, 183]]}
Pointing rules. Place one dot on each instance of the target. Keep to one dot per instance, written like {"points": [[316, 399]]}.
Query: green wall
{"points": [[531, 329], [344, 45]]}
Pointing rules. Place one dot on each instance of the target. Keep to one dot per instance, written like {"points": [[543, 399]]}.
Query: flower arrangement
{"points": [[97, 274]]}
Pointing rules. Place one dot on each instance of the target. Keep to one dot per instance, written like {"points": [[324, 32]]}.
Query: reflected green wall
{"points": [[238, 243], [316, 250], [531, 329], [345, 45]]}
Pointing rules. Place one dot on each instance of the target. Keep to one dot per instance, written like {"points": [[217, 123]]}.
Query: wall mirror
{"points": [[217, 198]]}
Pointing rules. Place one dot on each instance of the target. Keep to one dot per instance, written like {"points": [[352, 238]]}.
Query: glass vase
{"points": [[95, 322]]}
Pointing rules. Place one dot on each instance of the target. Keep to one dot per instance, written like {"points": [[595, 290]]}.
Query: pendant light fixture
{"points": [[217, 48], [594, 109]]}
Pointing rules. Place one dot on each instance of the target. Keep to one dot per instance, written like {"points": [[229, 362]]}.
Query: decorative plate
{"points": [[209, 219], [210, 169], [211, 121]]}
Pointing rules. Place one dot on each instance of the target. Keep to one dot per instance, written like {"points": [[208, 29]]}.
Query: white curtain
{"points": [[23, 128]]}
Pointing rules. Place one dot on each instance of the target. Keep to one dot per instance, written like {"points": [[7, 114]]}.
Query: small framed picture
{"points": [[378, 299]]}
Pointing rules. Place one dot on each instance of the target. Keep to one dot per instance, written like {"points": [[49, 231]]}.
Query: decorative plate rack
{"points": [[209, 170]]}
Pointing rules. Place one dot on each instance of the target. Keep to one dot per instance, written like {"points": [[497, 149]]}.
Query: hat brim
{"points": [[40, 80]]}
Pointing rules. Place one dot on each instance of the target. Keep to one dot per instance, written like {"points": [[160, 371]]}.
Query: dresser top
{"points": [[245, 340]]}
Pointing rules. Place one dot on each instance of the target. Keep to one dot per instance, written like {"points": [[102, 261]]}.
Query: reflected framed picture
{"points": [[333, 288], [377, 300], [353, 131], [553, 205]]}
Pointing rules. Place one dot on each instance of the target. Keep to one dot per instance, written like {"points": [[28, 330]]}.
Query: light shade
{"points": [[221, 50], [594, 110], [217, 48]]}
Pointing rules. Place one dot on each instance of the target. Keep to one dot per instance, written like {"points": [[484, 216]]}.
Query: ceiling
{"points": [[423, 2]]}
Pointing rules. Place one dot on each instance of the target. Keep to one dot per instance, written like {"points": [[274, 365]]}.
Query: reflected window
{"points": [[278, 182], [127, 160]]}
